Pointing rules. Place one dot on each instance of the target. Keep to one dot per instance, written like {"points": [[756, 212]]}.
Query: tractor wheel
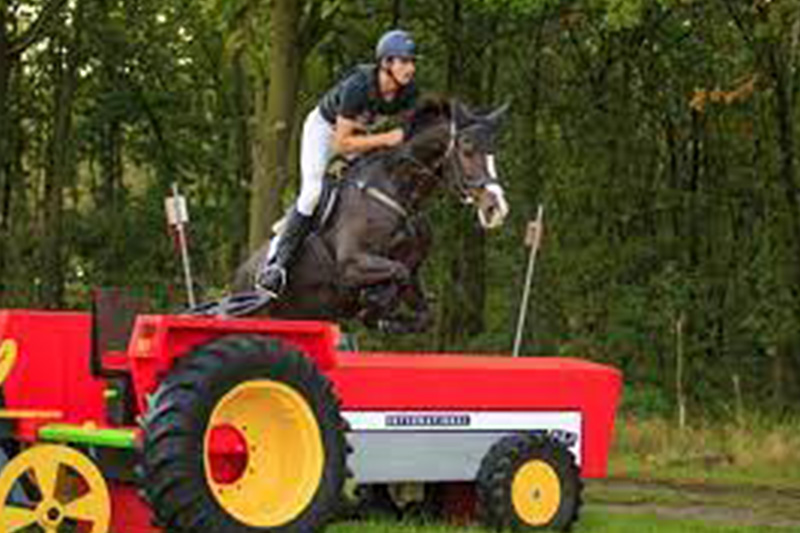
{"points": [[528, 482], [71, 492], [244, 435]]}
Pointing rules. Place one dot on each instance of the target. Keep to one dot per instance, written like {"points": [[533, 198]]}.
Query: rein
{"points": [[457, 182], [385, 199]]}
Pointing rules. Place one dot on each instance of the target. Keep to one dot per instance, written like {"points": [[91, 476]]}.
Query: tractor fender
{"points": [[158, 341]]}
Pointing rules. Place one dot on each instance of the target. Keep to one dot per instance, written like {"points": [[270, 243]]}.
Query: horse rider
{"points": [[340, 124]]}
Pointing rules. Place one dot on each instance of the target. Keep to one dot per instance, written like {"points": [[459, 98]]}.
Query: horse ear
{"points": [[462, 115], [497, 115]]}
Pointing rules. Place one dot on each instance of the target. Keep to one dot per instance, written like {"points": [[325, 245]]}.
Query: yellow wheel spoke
{"points": [[46, 473], [85, 508], [44, 462], [15, 518]]}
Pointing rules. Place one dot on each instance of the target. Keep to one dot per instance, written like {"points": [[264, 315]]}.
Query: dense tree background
{"points": [[660, 135]]}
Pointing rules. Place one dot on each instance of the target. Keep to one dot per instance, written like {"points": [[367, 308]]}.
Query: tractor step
{"points": [[91, 435], [19, 414]]}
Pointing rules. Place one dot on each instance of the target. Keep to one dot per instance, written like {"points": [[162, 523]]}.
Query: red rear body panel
{"points": [[51, 372], [129, 512]]}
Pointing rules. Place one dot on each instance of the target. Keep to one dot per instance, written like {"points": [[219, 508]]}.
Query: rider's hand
{"points": [[394, 137]]}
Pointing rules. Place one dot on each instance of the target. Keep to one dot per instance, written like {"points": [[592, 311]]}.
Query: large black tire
{"points": [[548, 485], [176, 482]]}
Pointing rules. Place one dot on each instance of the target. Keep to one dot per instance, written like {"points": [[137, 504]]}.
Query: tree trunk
{"points": [[397, 12], [5, 69], [111, 164], [784, 117], [6, 188], [242, 156], [59, 169], [450, 301], [111, 131], [464, 288], [274, 124]]}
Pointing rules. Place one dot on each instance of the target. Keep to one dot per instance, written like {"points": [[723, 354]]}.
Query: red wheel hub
{"points": [[227, 454]]}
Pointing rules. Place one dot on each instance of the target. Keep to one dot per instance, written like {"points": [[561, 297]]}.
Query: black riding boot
{"points": [[273, 277]]}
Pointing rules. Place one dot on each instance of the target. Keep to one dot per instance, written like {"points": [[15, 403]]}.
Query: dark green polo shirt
{"points": [[357, 97]]}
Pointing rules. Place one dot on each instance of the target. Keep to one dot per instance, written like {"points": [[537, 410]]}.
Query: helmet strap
{"points": [[388, 71]]}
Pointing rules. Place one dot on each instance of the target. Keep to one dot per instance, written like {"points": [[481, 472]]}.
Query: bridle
{"points": [[457, 182], [458, 177]]}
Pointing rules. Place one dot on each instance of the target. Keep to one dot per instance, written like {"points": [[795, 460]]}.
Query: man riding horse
{"points": [[360, 254], [339, 125]]}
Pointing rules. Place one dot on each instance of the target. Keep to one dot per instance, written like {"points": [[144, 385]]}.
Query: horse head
{"points": [[472, 169]]}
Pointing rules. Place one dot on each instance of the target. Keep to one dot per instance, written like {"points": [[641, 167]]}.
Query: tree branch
{"points": [[37, 29], [316, 23]]}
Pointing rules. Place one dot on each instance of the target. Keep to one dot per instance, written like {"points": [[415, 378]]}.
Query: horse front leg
{"points": [[415, 298], [380, 280], [370, 269], [412, 296]]}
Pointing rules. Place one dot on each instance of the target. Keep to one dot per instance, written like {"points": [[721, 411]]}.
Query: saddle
{"points": [[335, 174]]}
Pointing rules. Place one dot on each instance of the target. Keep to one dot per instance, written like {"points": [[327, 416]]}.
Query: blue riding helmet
{"points": [[395, 43]]}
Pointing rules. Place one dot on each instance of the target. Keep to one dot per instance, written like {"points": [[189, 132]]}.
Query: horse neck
{"points": [[429, 146], [420, 163]]}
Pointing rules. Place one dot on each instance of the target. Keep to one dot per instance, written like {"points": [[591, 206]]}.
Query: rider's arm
{"points": [[348, 137]]}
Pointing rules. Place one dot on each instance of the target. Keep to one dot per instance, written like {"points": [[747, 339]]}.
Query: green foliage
{"points": [[621, 14], [644, 401]]}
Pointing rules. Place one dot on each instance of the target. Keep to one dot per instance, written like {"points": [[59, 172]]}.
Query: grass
{"points": [[590, 522], [754, 452]]}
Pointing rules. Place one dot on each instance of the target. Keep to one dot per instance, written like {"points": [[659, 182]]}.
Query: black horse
{"points": [[363, 260]]}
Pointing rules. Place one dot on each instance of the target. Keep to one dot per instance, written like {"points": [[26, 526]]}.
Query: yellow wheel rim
{"points": [[536, 492], [8, 356], [276, 477], [71, 486]]}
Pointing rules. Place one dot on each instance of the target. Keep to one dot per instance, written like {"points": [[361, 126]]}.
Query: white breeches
{"points": [[315, 151]]}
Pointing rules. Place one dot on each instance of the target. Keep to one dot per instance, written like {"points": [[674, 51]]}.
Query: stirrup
{"points": [[261, 286]]}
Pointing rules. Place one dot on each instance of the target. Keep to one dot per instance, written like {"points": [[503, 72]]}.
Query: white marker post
{"points": [[533, 238], [178, 217]]}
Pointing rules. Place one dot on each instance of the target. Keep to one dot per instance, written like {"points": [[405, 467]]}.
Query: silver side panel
{"points": [[397, 446]]}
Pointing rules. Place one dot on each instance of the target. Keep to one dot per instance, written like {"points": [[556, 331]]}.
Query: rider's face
{"points": [[403, 69]]}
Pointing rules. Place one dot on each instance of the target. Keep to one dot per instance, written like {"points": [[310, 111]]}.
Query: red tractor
{"points": [[253, 425]]}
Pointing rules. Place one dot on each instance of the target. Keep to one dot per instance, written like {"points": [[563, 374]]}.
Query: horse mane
{"points": [[429, 111]]}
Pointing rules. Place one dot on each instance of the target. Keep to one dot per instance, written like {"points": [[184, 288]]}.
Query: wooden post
{"points": [[178, 217], [679, 372], [737, 394], [533, 238]]}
